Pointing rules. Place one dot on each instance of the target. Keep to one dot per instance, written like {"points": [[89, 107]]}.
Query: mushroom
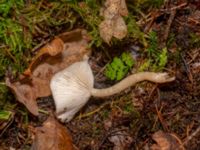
{"points": [[72, 87]]}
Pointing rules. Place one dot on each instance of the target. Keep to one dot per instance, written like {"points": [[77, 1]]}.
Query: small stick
{"points": [[189, 138], [189, 74], [169, 23], [176, 7]]}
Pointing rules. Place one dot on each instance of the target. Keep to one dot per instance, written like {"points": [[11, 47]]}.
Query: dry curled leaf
{"points": [[53, 48], [52, 136], [166, 141], [52, 58], [113, 24], [121, 140]]}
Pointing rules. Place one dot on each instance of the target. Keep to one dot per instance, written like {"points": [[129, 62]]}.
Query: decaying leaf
{"points": [[166, 141], [113, 24], [53, 48], [52, 58], [121, 140], [52, 136]]}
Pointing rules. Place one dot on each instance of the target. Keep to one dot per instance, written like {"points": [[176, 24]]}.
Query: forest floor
{"points": [[146, 116]]}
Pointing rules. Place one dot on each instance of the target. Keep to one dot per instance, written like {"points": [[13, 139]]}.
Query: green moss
{"points": [[161, 60], [152, 50], [154, 3], [6, 6], [134, 30], [119, 67], [21, 23], [195, 40], [157, 58], [3, 91], [89, 12], [171, 40], [145, 66], [144, 4]]}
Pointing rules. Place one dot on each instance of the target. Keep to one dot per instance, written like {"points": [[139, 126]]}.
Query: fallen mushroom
{"points": [[72, 87]]}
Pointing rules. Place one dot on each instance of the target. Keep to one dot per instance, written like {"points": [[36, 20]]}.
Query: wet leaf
{"points": [[34, 83], [113, 24], [52, 136], [166, 141]]}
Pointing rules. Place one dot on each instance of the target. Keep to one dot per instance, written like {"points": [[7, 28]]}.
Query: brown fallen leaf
{"points": [[166, 141], [113, 24], [34, 83], [52, 136], [53, 48]]}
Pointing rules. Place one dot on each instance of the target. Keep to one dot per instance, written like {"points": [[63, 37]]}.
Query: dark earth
{"points": [[140, 111]]}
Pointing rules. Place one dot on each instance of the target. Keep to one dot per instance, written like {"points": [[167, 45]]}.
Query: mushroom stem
{"points": [[130, 81]]}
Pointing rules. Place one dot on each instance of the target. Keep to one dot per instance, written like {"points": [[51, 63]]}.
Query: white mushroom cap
{"points": [[71, 89]]}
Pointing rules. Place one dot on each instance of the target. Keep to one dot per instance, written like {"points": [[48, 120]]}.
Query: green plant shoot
{"points": [[119, 67], [5, 115]]}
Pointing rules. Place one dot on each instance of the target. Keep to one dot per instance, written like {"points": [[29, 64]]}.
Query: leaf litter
{"points": [[166, 141], [113, 24], [52, 136], [121, 140], [181, 112], [64, 50]]}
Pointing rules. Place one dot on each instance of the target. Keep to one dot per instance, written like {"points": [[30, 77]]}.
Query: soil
{"points": [[141, 110]]}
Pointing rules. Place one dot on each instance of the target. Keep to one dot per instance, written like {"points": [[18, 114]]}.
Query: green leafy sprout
{"points": [[119, 67], [195, 40], [157, 58], [5, 115]]}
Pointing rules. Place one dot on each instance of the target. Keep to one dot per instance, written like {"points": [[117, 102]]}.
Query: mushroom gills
{"points": [[71, 89]]}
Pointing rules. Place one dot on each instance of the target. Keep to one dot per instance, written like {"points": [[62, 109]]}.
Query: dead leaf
{"points": [[48, 61], [52, 136], [53, 48], [121, 140], [106, 31], [166, 141], [24, 94], [120, 29], [113, 24]]}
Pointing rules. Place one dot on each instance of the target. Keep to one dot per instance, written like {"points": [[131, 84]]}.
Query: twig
{"points": [[189, 138], [92, 112], [193, 57], [152, 91], [169, 23], [175, 7], [3, 46], [40, 45], [6, 127], [181, 147], [11, 56], [189, 74], [161, 118]]}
